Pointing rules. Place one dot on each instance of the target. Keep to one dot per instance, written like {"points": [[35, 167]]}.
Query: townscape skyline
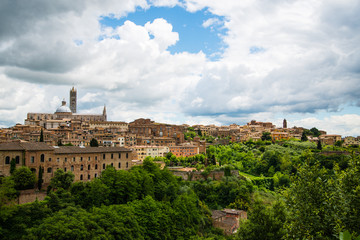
{"points": [[185, 62]]}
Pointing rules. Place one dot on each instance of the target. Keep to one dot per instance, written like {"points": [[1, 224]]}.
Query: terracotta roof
{"points": [[28, 146], [75, 149], [217, 214]]}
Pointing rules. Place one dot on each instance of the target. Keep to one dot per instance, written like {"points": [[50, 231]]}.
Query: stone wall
{"points": [[27, 196]]}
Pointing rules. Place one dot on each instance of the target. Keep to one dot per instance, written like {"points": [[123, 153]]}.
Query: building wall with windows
{"points": [[85, 163]]}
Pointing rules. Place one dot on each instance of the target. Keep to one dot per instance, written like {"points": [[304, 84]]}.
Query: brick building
{"points": [[86, 163]]}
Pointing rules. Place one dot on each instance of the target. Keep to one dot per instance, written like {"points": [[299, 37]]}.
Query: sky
{"points": [[185, 61]]}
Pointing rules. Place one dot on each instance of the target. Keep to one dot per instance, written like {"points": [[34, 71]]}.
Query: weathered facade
{"points": [[86, 163]]}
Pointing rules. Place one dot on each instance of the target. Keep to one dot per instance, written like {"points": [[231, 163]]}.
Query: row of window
{"points": [[7, 160], [49, 170], [42, 158]]}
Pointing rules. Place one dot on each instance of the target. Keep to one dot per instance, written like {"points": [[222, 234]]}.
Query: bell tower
{"points": [[73, 100]]}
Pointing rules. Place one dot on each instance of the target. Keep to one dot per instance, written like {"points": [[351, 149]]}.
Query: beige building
{"points": [[152, 151], [86, 163]]}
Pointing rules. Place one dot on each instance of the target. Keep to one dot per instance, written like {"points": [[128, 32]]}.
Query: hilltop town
{"points": [[101, 163], [45, 140]]}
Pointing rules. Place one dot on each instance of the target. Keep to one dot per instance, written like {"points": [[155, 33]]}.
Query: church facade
{"points": [[63, 114]]}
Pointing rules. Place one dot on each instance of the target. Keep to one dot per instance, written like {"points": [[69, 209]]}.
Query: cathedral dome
{"points": [[63, 108]]}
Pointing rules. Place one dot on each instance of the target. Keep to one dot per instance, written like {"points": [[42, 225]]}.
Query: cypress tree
{"points": [[41, 136], [40, 177]]}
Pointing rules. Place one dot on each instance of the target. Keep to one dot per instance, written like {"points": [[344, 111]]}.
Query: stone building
{"points": [[148, 128], [228, 219], [85, 163], [63, 114]]}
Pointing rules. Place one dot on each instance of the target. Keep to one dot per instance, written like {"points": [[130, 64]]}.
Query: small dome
{"points": [[63, 108]]}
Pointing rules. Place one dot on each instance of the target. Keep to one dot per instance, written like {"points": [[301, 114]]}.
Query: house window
{"points": [[32, 159], [88, 176], [81, 159], [95, 158], [112, 156], [127, 155], [88, 167], [81, 177], [95, 175], [104, 156], [72, 168], [17, 159], [42, 158], [104, 166], [65, 159], [49, 159], [49, 170], [119, 164], [74, 159], [95, 166], [7, 160], [65, 169], [89, 158], [127, 164], [112, 164], [81, 167], [119, 155]]}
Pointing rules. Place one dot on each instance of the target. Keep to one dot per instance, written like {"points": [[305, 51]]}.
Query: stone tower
{"points": [[284, 123], [73, 100], [104, 114]]}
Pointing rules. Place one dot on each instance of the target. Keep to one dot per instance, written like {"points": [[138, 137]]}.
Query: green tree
{"points": [[319, 147], [94, 143], [7, 191], [309, 202], [266, 136], [62, 179], [41, 136], [304, 137], [24, 178], [40, 177], [315, 132], [12, 165], [264, 223]]}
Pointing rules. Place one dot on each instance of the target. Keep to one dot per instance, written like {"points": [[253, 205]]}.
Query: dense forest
{"points": [[290, 189]]}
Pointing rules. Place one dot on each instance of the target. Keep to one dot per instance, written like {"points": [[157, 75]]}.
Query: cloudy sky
{"points": [[185, 61]]}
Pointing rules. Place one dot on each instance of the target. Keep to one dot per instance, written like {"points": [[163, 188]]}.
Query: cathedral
{"points": [[63, 114]]}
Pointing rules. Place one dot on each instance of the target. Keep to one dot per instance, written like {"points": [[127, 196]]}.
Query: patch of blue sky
{"points": [[193, 36], [256, 49]]}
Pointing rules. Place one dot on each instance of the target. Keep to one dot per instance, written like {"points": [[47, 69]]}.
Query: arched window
{"points": [[89, 167], [72, 168], [127, 164], [95, 166], [7, 160], [49, 170], [81, 177], [119, 164], [42, 158], [81, 167], [112, 164], [104, 166]]}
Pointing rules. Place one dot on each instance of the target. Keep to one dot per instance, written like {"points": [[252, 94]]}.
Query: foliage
{"points": [[41, 136], [12, 165], [7, 190], [23, 178], [61, 179], [94, 143], [266, 136], [264, 223], [40, 177]]}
